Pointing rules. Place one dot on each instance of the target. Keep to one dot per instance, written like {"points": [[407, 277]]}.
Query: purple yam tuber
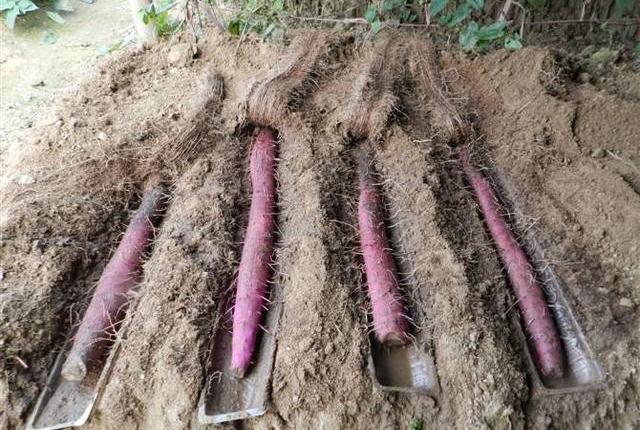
{"points": [[389, 320], [537, 317], [111, 297], [254, 269]]}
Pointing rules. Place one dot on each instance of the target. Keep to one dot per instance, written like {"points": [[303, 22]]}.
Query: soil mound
{"points": [[570, 151]]}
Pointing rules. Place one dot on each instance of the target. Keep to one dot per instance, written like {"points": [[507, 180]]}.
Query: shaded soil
{"points": [[569, 150]]}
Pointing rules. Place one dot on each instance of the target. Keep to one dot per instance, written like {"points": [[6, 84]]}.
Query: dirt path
{"points": [[40, 60], [540, 129]]}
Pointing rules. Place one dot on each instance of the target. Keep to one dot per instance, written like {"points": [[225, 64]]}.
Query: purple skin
{"points": [[536, 315], [110, 300], [254, 269], [389, 321]]}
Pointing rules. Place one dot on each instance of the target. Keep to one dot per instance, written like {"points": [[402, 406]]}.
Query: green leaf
{"points": [[26, 6], [492, 31], [407, 16], [416, 424], [476, 4], [55, 16], [512, 43], [269, 30], [536, 4], [278, 5], [370, 14], [6, 4], [444, 19], [436, 6], [482, 45], [376, 26], [459, 15], [620, 7], [390, 5], [234, 27], [10, 17], [469, 36]]}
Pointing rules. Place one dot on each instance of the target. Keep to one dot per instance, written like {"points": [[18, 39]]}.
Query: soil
{"points": [[40, 60], [569, 149]]}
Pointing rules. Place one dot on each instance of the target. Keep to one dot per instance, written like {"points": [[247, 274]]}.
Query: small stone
{"points": [[625, 302], [598, 153], [26, 180], [102, 136], [63, 241], [77, 123], [1, 273], [37, 245], [180, 55]]}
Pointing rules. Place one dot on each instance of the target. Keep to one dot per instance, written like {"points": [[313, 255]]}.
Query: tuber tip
{"points": [[238, 372], [394, 339], [74, 368], [552, 371]]}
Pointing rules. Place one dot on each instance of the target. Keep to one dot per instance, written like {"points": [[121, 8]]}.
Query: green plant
{"points": [[458, 16], [536, 4], [460, 13], [258, 16], [11, 9], [473, 36], [392, 12], [159, 15], [620, 7], [415, 424]]}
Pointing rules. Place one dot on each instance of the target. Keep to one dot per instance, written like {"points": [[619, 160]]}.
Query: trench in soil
{"points": [[224, 394], [408, 367], [60, 407]]}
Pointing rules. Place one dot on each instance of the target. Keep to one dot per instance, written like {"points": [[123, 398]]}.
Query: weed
{"points": [[159, 14], [11, 9], [416, 424], [258, 16], [457, 16], [392, 12], [473, 36]]}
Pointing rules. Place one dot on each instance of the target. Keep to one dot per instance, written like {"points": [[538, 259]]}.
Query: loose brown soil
{"points": [[569, 150]]}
